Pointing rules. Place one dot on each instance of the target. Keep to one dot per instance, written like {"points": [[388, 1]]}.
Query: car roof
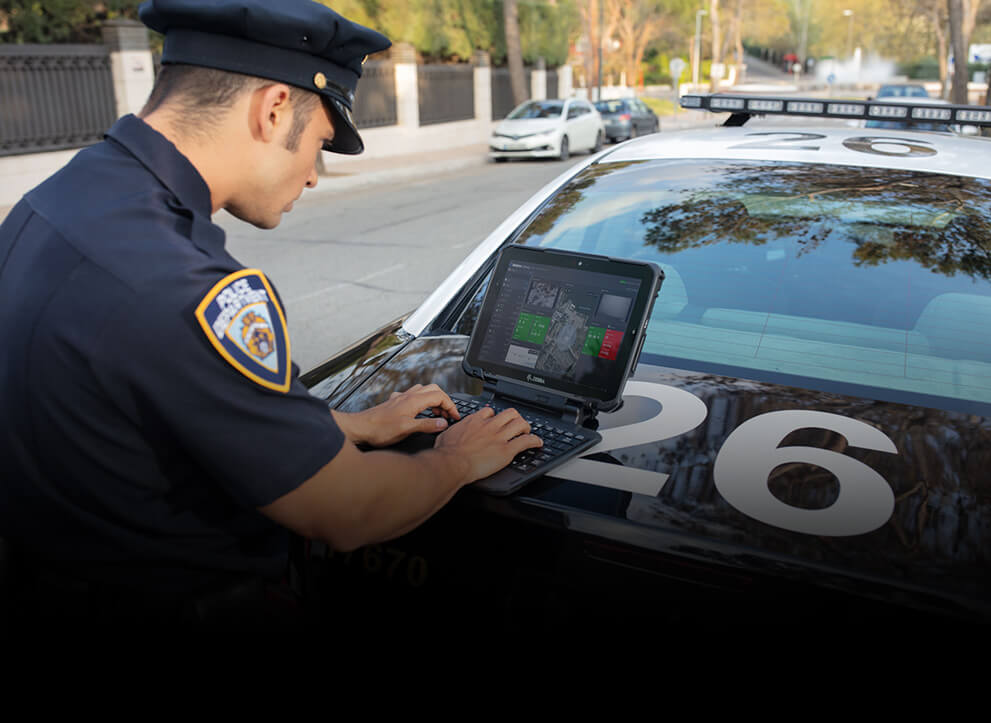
{"points": [[811, 143]]}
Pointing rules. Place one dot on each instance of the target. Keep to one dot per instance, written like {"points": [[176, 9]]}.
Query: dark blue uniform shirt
{"points": [[134, 446]]}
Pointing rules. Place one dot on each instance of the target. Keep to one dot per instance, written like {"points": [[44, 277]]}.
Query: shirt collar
{"points": [[160, 156]]}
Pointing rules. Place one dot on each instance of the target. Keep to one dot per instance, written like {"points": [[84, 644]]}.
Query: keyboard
{"points": [[559, 436]]}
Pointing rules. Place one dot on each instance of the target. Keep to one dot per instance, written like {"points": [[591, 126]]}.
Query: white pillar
{"points": [[131, 63], [407, 91], [483, 86], [538, 81], [565, 82]]}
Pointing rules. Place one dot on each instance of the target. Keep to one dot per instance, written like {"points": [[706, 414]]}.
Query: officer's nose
{"points": [[311, 180]]}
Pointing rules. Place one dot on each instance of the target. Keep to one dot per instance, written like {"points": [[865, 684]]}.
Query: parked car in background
{"points": [[627, 118], [902, 90], [548, 129]]}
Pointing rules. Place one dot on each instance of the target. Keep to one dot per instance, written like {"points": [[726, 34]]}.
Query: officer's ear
{"points": [[270, 112]]}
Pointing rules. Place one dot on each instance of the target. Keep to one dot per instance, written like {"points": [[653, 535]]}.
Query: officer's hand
{"points": [[395, 419], [489, 441]]}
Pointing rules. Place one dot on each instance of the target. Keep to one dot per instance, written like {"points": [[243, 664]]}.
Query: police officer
{"points": [[155, 440]]}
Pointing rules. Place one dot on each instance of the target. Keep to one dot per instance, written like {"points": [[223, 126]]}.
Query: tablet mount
{"points": [[582, 413]]}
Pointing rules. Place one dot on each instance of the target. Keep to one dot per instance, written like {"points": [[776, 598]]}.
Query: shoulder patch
{"points": [[242, 319]]}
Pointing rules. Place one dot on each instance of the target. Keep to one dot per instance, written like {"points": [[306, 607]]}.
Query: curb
{"points": [[346, 181]]}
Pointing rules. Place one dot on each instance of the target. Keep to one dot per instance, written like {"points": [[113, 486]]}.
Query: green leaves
{"points": [[60, 21]]}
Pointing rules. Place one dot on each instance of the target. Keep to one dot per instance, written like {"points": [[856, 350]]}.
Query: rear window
{"points": [[855, 277], [903, 91], [610, 106]]}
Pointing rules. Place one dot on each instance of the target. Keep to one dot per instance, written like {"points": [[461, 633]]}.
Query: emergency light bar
{"points": [[744, 106]]}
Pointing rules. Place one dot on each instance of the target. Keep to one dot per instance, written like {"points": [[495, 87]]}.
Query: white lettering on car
{"points": [[890, 146], [876, 145], [683, 412], [747, 458], [786, 144], [751, 453]]}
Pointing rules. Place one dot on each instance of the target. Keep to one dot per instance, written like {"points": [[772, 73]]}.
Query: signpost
{"points": [[676, 66]]}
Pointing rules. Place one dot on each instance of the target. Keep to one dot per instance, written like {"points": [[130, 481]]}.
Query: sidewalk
{"points": [[345, 174]]}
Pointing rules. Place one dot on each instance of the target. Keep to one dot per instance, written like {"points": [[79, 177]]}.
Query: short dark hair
{"points": [[198, 92]]}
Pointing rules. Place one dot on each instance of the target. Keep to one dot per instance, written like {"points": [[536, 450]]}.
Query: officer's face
{"points": [[282, 174]]}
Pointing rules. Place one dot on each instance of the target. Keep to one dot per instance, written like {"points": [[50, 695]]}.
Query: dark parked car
{"points": [[627, 118], [902, 90]]}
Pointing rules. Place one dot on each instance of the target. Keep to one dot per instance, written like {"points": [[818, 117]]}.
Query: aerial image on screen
{"points": [[563, 323]]}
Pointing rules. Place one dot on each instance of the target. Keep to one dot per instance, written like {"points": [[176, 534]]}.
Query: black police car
{"points": [[807, 437]]}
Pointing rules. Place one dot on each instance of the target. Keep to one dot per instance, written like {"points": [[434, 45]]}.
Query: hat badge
{"points": [[320, 81]]}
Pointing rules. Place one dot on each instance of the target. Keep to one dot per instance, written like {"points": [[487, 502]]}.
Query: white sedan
{"points": [[548, 129]]}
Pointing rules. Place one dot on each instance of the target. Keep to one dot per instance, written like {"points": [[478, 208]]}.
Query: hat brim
{"points": [[346, 137]]}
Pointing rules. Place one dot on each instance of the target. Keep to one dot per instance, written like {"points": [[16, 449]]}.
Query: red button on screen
{"points": [[610, 344]]}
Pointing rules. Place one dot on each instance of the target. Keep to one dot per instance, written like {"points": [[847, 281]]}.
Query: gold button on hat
{"points": [[320, 81]]}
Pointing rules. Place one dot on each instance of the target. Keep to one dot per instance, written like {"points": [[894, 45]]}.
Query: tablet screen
{"points": [[563, 321]]}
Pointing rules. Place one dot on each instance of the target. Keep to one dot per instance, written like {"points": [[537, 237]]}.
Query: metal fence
{"points": [[502, 92], [375, 99], [54, 97], [446, 92]]}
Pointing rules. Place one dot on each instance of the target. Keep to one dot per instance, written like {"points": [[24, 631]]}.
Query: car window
{"points": [[537, 109], [855, 277], [902, 91], [610, 106], [574, 111]]}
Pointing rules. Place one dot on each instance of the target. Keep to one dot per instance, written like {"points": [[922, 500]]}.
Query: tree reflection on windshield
{"points": [[940, 222]]}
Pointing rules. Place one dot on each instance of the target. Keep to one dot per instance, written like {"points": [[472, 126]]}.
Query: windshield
{"points": [[902, 91], [851, 276], [537, 109]]}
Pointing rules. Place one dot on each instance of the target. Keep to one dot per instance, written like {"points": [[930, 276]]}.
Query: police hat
{"points": [[298, 42]]}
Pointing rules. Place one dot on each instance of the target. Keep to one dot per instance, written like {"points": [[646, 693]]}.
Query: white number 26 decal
{"points": [[746, 460]]}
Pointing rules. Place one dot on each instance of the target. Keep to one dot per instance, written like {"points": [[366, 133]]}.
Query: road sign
{"points": [[676, 66]]}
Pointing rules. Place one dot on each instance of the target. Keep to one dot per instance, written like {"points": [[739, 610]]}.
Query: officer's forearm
{"points": [[361, 498]]}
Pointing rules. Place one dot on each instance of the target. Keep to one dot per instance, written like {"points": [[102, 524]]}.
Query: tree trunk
{"points": [[514, 53], [738, 39], [939, 24], [958, 91], [716, 40]]}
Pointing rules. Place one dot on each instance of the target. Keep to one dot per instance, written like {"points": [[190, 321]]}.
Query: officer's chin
{"points": [[257, 219]]}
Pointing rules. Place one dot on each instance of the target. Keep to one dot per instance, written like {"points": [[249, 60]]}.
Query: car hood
{"points": [[527, 126], [875, 499]]}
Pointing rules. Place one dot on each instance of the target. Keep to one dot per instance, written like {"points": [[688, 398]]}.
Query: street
{"points": [[345, 263]]}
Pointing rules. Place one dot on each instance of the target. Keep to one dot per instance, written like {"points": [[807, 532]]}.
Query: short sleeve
{"points": [[215, 370]]}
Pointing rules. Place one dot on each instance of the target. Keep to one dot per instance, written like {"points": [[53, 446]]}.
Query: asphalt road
{"points": [[345, 263]]}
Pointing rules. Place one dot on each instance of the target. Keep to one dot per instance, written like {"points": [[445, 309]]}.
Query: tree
{"points": [[801, 18], [717, 57], [940, 21], [638, 22], [598, 23], [61, 21], [963, 19], [735, 35], [958, 89], [514, 53]]}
